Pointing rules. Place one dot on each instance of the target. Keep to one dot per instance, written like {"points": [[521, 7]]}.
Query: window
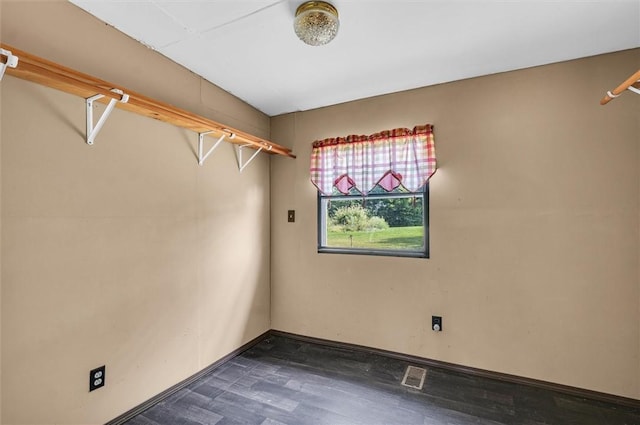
{"points": [[392, 223], [373, 192]]}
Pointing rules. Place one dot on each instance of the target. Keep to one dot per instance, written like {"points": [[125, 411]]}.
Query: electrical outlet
{"points": [[291, 216], [436, 323], [96, 378]]}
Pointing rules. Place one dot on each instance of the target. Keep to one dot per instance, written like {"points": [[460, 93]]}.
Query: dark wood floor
{"points": [[286, 381]]}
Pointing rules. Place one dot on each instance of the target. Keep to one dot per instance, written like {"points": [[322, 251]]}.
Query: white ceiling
{"points": [[248, 47]]}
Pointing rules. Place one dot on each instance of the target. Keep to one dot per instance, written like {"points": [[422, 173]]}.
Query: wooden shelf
{"points": [[632, 83], [50, 74]]}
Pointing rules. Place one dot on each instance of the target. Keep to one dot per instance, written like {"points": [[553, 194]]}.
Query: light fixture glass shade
{"points": [[316, 22]]}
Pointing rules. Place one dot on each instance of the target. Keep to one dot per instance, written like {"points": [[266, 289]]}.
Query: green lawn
{"points": [[391, 238]]}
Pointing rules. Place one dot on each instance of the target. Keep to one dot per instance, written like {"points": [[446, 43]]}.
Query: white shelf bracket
{"points": [[12, 61], [633, 89], [92, 131], [241, 165], [201, 157]]}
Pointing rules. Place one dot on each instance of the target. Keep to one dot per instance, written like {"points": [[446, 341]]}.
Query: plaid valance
{"points": [[389, 158]]}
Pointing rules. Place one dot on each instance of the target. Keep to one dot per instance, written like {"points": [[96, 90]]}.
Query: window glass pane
{"points": [[384, 222]]}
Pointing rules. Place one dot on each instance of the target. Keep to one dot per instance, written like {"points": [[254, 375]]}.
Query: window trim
{"points": [[322, 225]]}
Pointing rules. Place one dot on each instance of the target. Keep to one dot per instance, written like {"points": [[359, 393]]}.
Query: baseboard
{"points": [[166, 393], [565, 389]]}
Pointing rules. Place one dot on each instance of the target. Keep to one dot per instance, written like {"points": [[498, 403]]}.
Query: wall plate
{"points": [[97, 378]]}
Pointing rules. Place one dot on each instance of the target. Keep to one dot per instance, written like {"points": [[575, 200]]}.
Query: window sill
{"points": [[375, 252]]}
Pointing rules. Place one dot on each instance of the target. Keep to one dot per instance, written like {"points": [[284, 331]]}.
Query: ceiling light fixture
{"points": [[316, 22]]}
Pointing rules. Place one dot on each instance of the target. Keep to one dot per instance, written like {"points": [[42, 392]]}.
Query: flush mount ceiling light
{"points": [[316, 22]]}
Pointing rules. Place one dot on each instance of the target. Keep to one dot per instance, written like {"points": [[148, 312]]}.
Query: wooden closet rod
{"points": [[35, 69], [632, 82]]}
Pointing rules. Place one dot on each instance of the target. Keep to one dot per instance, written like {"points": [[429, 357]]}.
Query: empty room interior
{"points": [[180, 182]]}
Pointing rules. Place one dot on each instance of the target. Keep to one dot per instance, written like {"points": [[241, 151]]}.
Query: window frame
{"points": [[322, 225]]}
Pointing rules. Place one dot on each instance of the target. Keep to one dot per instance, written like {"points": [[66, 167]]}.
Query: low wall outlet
{"points": [[291, 216], [436, 323], [96, 378]]}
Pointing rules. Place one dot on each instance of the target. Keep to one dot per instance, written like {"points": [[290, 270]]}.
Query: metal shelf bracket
{"points": [[242, 165], [633, 89], [201, 157], [92, 131], [12, 61]]}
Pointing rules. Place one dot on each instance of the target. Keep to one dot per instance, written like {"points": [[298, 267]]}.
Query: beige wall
{"points": [[534, 229], [126, 253]]}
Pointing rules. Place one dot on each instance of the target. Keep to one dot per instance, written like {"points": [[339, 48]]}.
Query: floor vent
{"points": [[414, 377]]}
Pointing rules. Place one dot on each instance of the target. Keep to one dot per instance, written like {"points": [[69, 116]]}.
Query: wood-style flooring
{"points": [[286, 381]]}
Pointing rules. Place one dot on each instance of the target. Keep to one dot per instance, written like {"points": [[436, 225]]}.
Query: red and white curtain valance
{"points": [[390, 158]]}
